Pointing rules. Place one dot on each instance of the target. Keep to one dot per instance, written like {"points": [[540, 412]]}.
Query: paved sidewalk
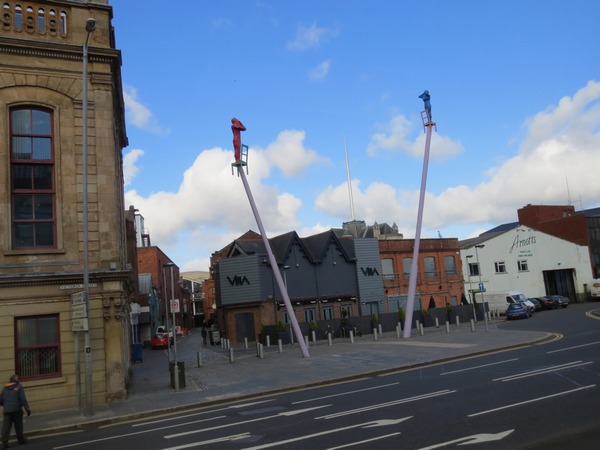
{"points": [[218, 379]]}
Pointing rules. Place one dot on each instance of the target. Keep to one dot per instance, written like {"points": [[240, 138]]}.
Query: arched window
{"points": [[52, 27], [30, 20], [63, 23], [32, 178], [18, 17], [6, 17], [41, 21]]}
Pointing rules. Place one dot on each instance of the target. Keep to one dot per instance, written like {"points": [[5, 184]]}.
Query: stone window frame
{"points": [[51, 161], [37, 347]]}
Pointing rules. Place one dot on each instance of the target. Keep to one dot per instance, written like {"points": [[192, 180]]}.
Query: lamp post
{"points": [[167, 310], [481, 284], [175, 365], [471, 289], [90, 26]]}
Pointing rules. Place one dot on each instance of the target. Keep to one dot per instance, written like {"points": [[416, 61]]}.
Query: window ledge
{"points": [[44, 382]]}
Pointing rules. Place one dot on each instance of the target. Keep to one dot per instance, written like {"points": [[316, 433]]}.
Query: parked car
{"points": [[518, 310], [160, 340], [536, 303], [546, 303], [560, 300]]}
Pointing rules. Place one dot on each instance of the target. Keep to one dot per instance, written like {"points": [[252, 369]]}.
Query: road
{"points": [[539, 396]]}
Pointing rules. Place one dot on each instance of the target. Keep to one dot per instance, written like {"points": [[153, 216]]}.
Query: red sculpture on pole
{"points": [[237, 127]]}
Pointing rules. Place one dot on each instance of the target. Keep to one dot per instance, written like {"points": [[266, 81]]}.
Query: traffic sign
{"points": [[175, 305], [78, 311], [79, 324], [481, 287]]}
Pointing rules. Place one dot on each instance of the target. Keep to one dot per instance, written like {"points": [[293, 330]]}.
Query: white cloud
{"points": [[320, 72], [289, 154], [138, 114], [561, 145], [210, 201], [130, 170], [395, 136], [308, 37]]}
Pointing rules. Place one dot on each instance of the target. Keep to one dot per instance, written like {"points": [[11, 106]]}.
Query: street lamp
{"points": [[167, 310], [90, 26], [471, 288], [481, 284], [175, 365]]}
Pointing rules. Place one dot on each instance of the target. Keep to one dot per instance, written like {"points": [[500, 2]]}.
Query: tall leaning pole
{"points": [[428, 124], [237, 127]]}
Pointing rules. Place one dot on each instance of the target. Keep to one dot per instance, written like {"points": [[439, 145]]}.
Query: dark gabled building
{"points": [[328, 277]]}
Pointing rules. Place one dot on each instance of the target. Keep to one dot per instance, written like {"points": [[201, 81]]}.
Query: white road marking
{"points": [[344, 393], [353, 444], [335, 430], [234, 437], [571, 348], [474, 439], [542, 371], [235, 424], [532, 400], [479, 367], [119, 436], [385, 405]]}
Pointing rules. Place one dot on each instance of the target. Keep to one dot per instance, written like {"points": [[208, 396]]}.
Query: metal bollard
{"points": [[231, 360], [306, 341], [437, 322], [472, 325], [314, 335], [398, 331], [199, 358], [329, 339], [280, 345], [261, 352], [351, 337], [374, 334], [380, 329], [246, 343], [457, 321], [421, 330], [268, 340], [447, 327]]}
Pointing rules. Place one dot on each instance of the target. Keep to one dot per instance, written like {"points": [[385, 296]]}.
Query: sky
{"points": [[515, 94]]}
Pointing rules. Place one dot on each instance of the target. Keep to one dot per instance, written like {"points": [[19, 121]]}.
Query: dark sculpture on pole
{"points": [[237, 127], [426, 97]]}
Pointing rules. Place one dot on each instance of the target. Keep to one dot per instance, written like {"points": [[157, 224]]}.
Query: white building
{"points": [[526, 260]]}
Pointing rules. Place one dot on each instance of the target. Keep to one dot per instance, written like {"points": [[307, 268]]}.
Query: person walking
{"points": [[13, 400]]}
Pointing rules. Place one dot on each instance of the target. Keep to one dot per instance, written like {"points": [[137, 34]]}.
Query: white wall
{"points": [[541, 251]]}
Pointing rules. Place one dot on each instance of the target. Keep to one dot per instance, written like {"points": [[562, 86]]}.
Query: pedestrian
{"points": [[13, 400], [204, 334]]}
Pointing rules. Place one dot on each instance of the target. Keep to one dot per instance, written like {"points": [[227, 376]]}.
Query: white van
{"points": [[499, 300], [596, 289]]}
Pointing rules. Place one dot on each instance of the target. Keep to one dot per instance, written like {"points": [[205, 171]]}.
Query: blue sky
{"points": [[515, 93]]}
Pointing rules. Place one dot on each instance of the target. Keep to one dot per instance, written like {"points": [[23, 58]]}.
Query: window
{"points": [[18, 17], [327, 312], [429, 262], [474, 269], [37, 346], [500, 267], [449, 265], [522, 265], [387, 266], [309, 315], [32, 178], [346, 311], [41, 21], [63, 23], [406, 266]]}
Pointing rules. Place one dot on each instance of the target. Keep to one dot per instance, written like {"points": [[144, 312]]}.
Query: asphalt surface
{"points": [[211, 377]]}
